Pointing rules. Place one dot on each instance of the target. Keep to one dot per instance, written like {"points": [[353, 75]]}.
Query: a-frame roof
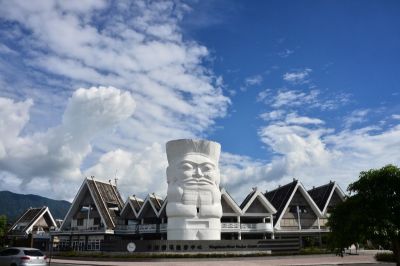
{"points": [[323, 194], [134, 203], [154, 203], [282, 196], [104, 195], [29, 218], [162, 213], [225, 196], [254, 195]]}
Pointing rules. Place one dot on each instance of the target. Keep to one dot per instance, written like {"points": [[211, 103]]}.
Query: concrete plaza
{"points": [[361, 259]]}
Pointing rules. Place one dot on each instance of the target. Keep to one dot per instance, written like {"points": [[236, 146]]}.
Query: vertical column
{"points": [[240, 229], [273, 228], [298, 216], [88, 217]]}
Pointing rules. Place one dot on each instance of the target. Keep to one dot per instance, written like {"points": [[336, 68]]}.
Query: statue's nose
{"points": [[198, 173]]}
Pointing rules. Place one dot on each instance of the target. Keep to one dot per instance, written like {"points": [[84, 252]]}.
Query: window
{"points": [[9, 252], [93, 244], [33, 253], [302, 209], [96, 221], [79, 222]]}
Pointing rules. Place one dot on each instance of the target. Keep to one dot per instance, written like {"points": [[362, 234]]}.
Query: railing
{"points": [[246, 227], [83, 229], [131, 227], [303, 229], [229, 227], [147, 228], [259, 227], [41, 234]]}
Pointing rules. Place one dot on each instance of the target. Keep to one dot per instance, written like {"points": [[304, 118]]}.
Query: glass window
{"points": [[293, 209], [96, 221], [9, 252], [33, 253]]}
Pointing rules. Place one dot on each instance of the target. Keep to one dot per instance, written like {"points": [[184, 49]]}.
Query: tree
{"points": [[3, 227], [372, 211]]}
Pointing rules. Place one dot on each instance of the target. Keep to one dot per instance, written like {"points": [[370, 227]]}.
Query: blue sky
{"points": [[291, 89], [352, 49]]}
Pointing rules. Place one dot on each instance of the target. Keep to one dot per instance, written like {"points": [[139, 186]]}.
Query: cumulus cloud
{"points": [[56, 155], [306, 148], [137, 173]]}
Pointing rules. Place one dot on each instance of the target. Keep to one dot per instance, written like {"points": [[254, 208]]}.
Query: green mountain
{"points": [[13, 205]]}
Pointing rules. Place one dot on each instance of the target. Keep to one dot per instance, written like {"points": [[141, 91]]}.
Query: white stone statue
{"points": [[194, 200]]}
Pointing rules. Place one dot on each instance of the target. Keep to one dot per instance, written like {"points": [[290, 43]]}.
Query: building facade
{"points": [[98, 215]]}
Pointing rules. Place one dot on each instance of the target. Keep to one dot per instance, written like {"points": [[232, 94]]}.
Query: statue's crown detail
{"points": [[177, 148]]}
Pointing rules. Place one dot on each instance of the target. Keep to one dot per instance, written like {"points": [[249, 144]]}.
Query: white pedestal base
{"points": [[194, 229]]}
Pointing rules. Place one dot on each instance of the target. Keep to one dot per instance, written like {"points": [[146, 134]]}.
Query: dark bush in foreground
{"points": [[385, 256]]}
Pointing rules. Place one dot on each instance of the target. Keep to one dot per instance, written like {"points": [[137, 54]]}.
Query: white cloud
{"points": [[4, 49], [297, 77], [262, 95], [137, 173], [140, 49], [314, 155], [286, 53], [294, 98], [395, 116], [57, 154], [293, 118], [273, 115], [254, 80], [357, 116], [317, 99], [306, 148], [251, 81]]}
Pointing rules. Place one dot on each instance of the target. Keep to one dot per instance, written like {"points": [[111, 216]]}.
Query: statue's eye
{"points": [[186, 166], [207, 168]]}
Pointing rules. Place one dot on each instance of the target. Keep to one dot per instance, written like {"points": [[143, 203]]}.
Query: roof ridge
{"points": [[116, 194], [35, 217], [102, 201]]}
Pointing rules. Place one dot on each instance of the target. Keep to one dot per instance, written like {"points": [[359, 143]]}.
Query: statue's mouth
{"points": [[198, 181]]}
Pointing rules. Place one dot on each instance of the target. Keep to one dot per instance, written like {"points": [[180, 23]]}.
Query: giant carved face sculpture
{"points": [[193, 162], [194, 169], [194, 200]]}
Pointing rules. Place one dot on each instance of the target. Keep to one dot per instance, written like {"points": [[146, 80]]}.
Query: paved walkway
{"points": [[363, 258]]}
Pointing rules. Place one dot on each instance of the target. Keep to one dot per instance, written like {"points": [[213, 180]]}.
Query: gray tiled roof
{"points": [[280, 196], [136, 203], [320, 194], [27, 219], [247, 199], [106, 195]]}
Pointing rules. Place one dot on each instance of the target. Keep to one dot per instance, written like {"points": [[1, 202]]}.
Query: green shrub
{"points": [[385, 256]]}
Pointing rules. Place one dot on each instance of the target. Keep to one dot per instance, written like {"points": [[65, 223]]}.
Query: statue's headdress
{"points": [[176, 149]]}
